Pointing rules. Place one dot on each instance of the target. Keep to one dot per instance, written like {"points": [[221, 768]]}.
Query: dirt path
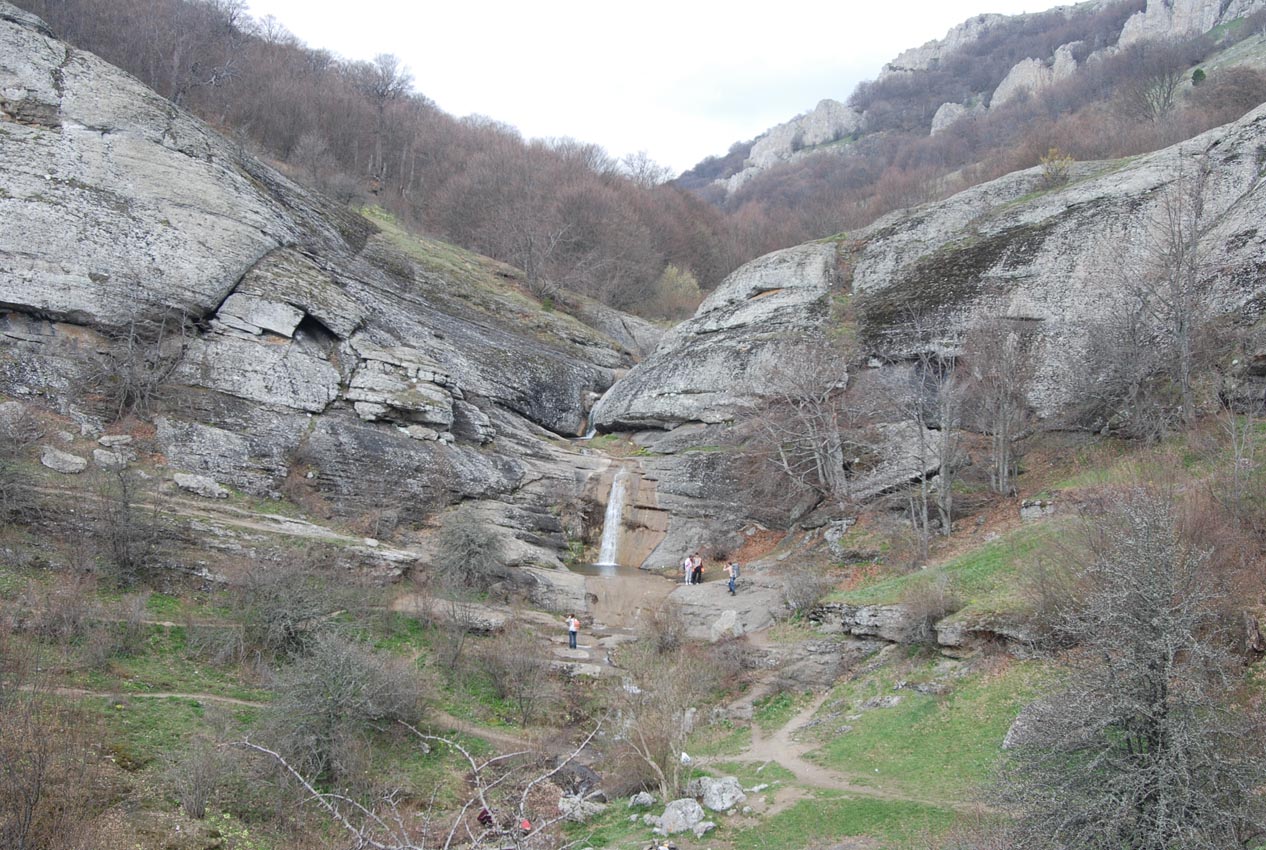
{"points": [[781, 747], [441, 719]]}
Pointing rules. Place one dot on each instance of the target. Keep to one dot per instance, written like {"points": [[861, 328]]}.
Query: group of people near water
{"points": [[692, 571]]}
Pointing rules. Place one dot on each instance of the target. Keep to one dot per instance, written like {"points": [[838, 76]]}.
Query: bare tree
{"points": [[129, 527], [999, 366], [927, 394], [328, 701], [19, 430], [1144, 747], [521, 673], [1142, 361], [655, 706], [505, 791], [811, 433]]}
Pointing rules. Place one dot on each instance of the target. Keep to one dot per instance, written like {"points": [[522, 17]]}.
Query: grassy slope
{"points": [[938, 745]]}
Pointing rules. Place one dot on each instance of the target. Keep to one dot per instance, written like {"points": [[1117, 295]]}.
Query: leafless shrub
{"points": [[128, 527], [62, 612], [19, 430], [47, 773], [142, 354], [928, 600], [521, 672], [663, 628], [282, 610], [1145, 745], [330, 699], [469, 555], [195, 775], [803, 587], [655, 706]]}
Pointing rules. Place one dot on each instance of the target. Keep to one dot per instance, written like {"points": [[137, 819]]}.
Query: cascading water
{"points": [[609, 548]]}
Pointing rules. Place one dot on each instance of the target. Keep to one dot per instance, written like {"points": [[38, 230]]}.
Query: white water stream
{"points": [[609, 548]]}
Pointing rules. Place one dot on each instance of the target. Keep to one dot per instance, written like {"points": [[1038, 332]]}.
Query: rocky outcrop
{"points": [[1030, 76], [830, 121], [727, 357], [1174, 19], [929, 54], [719, 795], [63, 462], [307, 350], [951, 113], [1056, 261]]}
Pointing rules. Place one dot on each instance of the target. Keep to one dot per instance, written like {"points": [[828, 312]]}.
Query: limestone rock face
{"points": [[1174, 19], [1055, 262], [922, 58], [950, 113], [727, 356], [200, 485], [309, 350], [829, 121], [1032, 75]]}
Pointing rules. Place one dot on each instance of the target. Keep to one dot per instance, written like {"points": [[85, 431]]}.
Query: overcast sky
{"points": [[681, 80]]}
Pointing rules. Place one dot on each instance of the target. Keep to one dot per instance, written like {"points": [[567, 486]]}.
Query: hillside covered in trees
{"points": [[1121, 100]]}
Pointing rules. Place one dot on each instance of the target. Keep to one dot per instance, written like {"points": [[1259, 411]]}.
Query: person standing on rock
{"points": [[687, 569], [696, 568], [573, 628], [732, 570]]}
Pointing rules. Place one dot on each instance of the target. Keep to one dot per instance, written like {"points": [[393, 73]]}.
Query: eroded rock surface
{"points": [[310, 351]]}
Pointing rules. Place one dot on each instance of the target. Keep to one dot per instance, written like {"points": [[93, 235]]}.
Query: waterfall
{"points": [[611, 522]]}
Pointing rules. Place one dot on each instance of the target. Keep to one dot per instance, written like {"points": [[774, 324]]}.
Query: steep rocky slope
{"points": [[305, 343], [1055, 262]]}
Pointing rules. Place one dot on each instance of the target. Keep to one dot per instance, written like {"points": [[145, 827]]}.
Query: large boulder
{"points": [[719, 795], [680, 816], [727, 357]]}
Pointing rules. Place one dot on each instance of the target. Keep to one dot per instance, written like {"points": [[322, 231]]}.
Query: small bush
{"points": [[803, 587], [663, 628], [468, 556], [928, 600], [331, 699], [1056, 166]]}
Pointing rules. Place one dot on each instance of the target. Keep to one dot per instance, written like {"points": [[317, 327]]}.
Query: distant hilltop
{"points": [[832, 125]]}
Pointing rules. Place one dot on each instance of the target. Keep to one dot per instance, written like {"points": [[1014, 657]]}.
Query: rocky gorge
{"points": [[322, 353]]}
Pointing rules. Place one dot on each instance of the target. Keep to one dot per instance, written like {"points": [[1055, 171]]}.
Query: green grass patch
{"points": [[776, 710], [984, 579], [830, 817], [612, 829], [141, 731], [721, 739], [164, 666], [936, 747], [165, 606]]}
